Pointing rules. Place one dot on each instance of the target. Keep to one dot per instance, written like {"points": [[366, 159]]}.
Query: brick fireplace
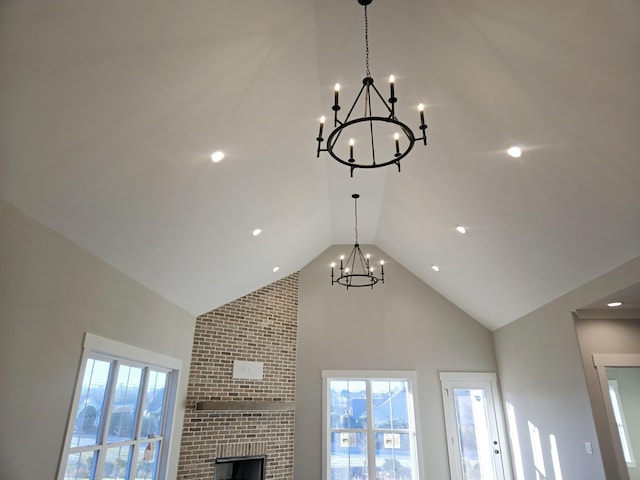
{"points": [[230, 417]]}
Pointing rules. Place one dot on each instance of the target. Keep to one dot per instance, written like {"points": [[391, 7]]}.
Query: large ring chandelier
{"points": [[356, 269], [387, 121]]}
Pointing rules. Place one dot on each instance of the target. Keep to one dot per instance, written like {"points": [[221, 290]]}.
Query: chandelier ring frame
{"points": [[335, 134], [346, 281]]}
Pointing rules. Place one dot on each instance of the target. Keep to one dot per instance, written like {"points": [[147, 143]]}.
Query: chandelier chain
{"points": [[366, 41]]}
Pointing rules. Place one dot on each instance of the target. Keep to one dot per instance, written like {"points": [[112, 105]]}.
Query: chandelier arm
{"points": [[338, 122], [335, 139], [367, 102], [384, 102], [373, 146], [363, 262], [346, 119], [350, 264], [367, 108]]}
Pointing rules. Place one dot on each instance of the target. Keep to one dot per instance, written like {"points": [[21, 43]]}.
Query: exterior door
{"points": [[475, 429]]}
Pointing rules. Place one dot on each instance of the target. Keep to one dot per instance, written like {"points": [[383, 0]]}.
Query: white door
{"points": [[475, 429]]}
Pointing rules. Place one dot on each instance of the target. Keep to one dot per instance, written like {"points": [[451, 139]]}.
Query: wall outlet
{"points": [[588, 448]]}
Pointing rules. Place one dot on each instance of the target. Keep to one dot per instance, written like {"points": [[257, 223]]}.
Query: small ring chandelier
{"points": [[389, 120], [356, 271]]}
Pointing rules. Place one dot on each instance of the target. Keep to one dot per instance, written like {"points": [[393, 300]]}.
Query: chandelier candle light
{"points": [[356, 270], [388, 120]]}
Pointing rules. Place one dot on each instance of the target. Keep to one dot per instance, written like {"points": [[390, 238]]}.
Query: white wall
{"points": [[401, 325], [51, 292], [542, 376]]}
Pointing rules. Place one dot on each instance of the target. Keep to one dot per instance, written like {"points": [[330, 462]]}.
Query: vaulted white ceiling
{"points": [[109, 112]]}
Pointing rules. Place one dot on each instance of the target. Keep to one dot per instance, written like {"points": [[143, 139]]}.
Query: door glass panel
{"points": [[474, 431]]}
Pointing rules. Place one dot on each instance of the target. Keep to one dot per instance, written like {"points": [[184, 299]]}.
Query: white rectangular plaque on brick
{"points": [[247, 370]]}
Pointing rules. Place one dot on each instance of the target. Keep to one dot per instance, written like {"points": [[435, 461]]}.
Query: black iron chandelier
{"points": [[363, 127], [356, 270]]}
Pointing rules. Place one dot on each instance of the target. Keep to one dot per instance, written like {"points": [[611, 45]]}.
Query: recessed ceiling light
{"points": [[514, 151], [256, 232], [275, 269], [435, 268], [217, 156], [461, 229], [614, 304]]}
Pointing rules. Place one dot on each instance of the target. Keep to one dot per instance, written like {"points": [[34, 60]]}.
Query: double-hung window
{"points": [[369, 425], [123, 408]]}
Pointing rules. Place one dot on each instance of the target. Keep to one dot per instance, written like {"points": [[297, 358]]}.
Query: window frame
{"points": [[118, 353], [409, 376]]}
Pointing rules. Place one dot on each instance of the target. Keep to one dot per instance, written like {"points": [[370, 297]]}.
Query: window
{"points": [[370, 427], [123, 408]]}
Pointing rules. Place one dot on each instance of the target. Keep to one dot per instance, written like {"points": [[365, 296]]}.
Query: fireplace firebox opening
{"points": [[241, 468]]}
